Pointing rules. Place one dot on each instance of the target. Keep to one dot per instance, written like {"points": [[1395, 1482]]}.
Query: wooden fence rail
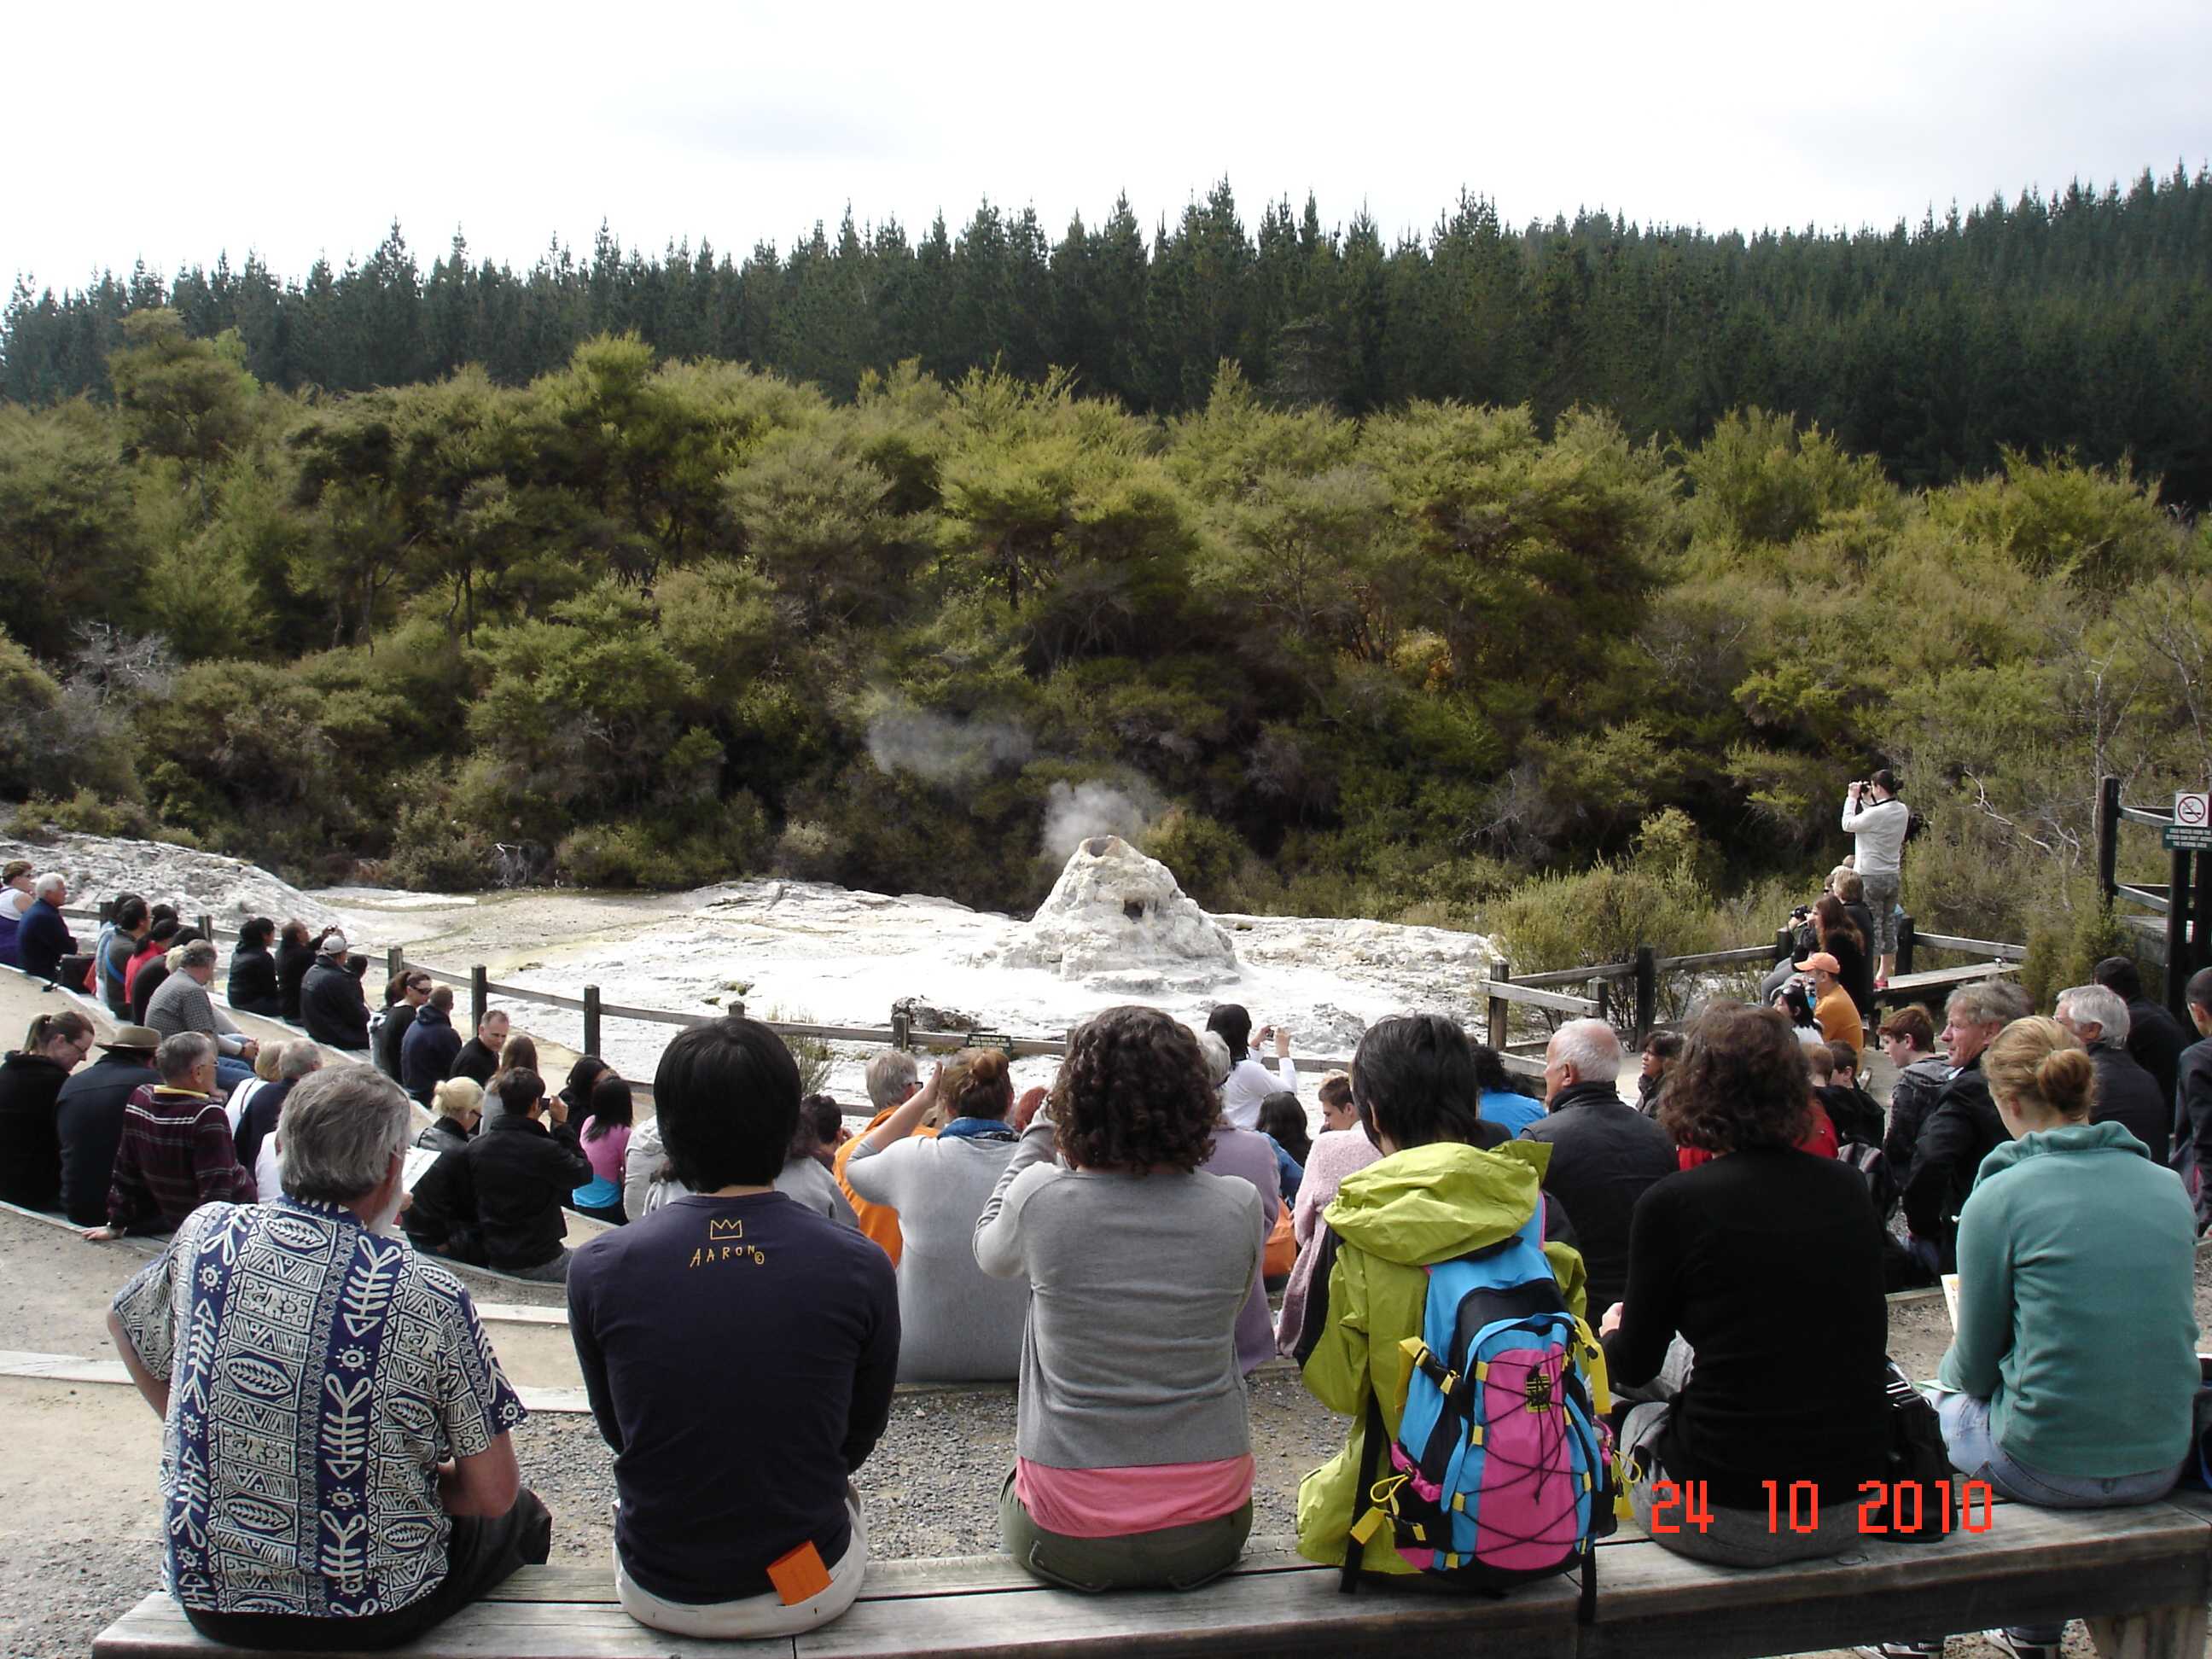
{"points": [[1625, 992]]}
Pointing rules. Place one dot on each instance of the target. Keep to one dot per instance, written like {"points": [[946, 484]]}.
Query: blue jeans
{"points": [[1976, 1454], [229, 1073]]}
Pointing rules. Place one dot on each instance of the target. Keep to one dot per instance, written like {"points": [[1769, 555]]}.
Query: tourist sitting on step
{"points": [[607, 1118], [2126, 1093], [2071, 1380], [31, 1079], [1283, 1121], [456, 1108], [522, 1166], [1753, 1325], [89, 1117], [1341, 1147], [1139, 1264], [256, 1133], [793, 1318], [339, 1471], [1249, 1156], [1249, 1082], [181, 1003], [1447, 1184], [1963, 1126], [518, 1053], [806, 1178], [892, 1080], [1604, 1151], [252, 988], [15, 898], [1500, 1103], [332, 1005], [431, 1045], [176, 1152], [955, 1322]]}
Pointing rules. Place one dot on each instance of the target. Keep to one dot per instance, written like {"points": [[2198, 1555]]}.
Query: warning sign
{"points": [[2192, 810]]}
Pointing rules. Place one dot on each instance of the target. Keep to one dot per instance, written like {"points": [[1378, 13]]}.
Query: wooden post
{"points": [[1904, 936], [2108, 838], [1501, 1011], [591, 1019], [1604, 1000], [207, 927], [106, 911], [2200, 916], [1647, 991], [479, 996], [1785, 945], [395, 963], [2177, 938], [902, 1026]]}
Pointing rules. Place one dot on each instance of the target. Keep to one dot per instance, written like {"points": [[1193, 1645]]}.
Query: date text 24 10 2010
{"points": [[1903, 1506]]}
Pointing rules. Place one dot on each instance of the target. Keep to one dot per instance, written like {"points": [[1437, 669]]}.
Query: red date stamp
{"points": [[1908, 1507]]}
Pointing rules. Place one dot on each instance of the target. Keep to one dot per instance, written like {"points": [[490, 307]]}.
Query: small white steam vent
{"points": [[1114, 912]]}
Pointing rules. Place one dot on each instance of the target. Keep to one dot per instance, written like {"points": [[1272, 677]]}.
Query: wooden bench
{"points": [[2142, 1575]]}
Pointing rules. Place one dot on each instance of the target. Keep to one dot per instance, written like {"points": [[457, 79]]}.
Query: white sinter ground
{"points": [[1116, 929]]}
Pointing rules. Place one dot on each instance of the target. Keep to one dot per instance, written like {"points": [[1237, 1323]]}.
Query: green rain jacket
{"points": [[1426, 1204]]}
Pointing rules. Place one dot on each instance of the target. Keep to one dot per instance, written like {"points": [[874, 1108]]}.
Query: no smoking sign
{"points": [[2191, 829]]}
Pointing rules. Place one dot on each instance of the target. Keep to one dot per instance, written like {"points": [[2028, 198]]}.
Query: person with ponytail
{"points": [[2074, 1365], [30, 1078], [2071, 1379], [957, 1323]]}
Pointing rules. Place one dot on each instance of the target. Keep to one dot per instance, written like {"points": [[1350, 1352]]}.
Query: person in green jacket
{"points": [[2071, 1378], [1448, 1183]]}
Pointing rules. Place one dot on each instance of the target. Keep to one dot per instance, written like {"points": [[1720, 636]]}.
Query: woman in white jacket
{"points": [[1249, 1082]]}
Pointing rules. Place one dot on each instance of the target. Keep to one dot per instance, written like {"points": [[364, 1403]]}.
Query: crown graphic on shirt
{"points": [[720, 1227]]}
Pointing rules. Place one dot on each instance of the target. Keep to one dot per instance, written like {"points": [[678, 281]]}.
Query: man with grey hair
{"points": [[42, 938], [2126, 1094], [1604, 1151], [1963, 1126], [181, 1003], [336, 1464], [893, 1079], [176, 1153], [257, 1133]]}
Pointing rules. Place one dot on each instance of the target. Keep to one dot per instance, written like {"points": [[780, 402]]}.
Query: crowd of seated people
{"points": [[1108, 1246]]}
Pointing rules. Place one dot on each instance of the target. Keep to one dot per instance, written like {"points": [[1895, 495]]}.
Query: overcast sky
{"points": [[172, 134]]}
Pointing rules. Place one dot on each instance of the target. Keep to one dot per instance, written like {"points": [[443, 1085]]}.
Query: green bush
{"points": [[2065, 945]]}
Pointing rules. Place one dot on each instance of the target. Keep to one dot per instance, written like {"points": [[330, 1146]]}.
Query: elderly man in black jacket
{"points": [[332, 1005], [2154, 1036], [1604, 1151], [1963, 1126], [2126, 1094], [89, 1119]]}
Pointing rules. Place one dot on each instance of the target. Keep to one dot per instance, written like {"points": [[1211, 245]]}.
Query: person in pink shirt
{"points": [[605, 1140], [1133, 1463], [1342, 1148]]}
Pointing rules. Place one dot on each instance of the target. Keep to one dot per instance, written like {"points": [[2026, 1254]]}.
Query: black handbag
{"points": [[1917, 1457]]}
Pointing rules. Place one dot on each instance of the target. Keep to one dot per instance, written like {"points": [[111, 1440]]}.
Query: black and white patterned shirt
{"points": [[318, 1373]]}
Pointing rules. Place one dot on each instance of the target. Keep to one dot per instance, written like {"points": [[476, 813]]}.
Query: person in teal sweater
{"points": [[2071, 1380]]}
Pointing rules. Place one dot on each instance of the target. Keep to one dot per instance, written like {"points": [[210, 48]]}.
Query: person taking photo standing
{"points": [[1877, 821]]}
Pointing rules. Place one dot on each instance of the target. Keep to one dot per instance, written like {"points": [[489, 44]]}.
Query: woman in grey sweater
{"points": [[956, 1325], [1134, 1452]]}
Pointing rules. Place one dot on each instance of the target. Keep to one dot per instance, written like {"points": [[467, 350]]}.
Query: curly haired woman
{"points": [[1753, 1322], [1134, 1453]]}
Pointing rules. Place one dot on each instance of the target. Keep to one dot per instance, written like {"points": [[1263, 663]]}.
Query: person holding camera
{"points": [[1878, 820]]}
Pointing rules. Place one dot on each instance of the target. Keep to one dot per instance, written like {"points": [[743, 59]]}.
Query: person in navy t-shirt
{"points": [[739, 1352]]}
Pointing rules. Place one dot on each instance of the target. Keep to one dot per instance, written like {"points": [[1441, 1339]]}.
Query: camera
{"points": [[1801, 913]]}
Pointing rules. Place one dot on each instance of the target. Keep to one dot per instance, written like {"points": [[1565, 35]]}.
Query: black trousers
{"points": [[481, 1555]]}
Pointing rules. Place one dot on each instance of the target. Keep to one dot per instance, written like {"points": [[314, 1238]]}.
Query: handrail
{"points": [[1528, 996], [1719, 959], [1986, 947]]}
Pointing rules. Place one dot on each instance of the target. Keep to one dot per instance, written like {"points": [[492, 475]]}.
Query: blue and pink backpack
{"points": [[1502, 1469]]}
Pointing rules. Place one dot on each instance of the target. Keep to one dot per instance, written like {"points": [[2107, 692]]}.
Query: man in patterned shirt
{"points": [[336, 1466]]}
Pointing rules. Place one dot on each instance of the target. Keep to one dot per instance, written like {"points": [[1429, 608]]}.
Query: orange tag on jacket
{"points": [[799, 1574]]}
